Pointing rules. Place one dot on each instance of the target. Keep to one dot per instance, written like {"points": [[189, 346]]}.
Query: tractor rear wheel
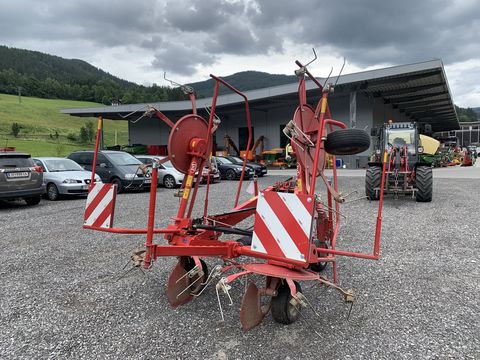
{"points": [[424, 184], [373, 180], [283, 311], [347, 142]]}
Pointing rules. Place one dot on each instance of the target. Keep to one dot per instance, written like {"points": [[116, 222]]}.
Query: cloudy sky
{"points": [[139, 39]]}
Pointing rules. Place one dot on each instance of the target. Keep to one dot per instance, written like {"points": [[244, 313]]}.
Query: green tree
{"points": [[83, 136], [90, 128], [15, 129]]}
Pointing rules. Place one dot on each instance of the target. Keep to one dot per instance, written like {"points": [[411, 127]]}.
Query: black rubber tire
{"points": [[33, 200], [282, 311], [189, 265], [347, 142], [373, 179], [424, 184], [320, 266], [230, 174], [52, 192], [169, 181], [118, 182]]}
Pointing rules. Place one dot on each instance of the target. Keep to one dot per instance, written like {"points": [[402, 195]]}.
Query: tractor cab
{"points": [[402, 137]]}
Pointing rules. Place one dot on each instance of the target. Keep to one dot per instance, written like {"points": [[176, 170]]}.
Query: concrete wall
{"points": [[148, 131]]}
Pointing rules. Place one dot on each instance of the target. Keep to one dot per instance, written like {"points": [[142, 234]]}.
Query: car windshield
{"points": [[237, 159], [402, 137], [224, 161], [122, 159], [57, 165], [168, 165]]}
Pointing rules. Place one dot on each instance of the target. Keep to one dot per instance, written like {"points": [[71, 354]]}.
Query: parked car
{"points": [[259, 169], [116, 167], [64, 177], [20, 178], [211, 169], [229, 170], [168, 176]]}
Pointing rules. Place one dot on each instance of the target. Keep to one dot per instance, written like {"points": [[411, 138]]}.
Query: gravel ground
{"points": [[61, 294]]}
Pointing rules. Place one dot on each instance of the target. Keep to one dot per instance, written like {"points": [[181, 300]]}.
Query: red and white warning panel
{"points": [[283, 225], [100, 206]]}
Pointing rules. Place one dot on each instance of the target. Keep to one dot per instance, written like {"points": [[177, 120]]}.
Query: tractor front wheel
{"points": [[424, 184], [373, 179]]}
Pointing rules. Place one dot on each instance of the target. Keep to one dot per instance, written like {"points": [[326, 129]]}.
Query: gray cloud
{"points": [[179, 35], [180, 59]]}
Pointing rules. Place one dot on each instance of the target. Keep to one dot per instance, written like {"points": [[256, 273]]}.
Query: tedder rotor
{"points": [[295, 229]]}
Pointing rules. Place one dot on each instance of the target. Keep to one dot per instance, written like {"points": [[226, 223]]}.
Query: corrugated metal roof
{"points": [[419, 90]]}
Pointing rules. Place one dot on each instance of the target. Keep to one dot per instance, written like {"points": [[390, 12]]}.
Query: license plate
{"points": [[16, 175], [264, 171], [148, 181], [84, 187]]}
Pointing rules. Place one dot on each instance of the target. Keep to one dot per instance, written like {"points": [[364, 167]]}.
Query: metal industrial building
{"points": [[468, 134], [414, 92]]}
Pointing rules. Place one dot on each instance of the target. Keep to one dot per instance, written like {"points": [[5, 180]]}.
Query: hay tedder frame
{"points": [[294, 231]]}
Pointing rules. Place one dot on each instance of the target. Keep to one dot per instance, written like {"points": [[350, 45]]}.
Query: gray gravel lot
{"points": [[61, 296]]}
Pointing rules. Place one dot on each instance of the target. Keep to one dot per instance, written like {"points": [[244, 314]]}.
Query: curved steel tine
{"points": [[170, 81], [328, 77], [311, 61], [134, 111], [340, 73]]}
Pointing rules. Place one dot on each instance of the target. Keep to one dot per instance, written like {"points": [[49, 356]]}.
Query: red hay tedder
{"points": [[294, 229]]}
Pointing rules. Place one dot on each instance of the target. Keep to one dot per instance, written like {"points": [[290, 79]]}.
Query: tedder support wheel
{"points": [[320, 266], [347, 142], [424, 183], [373, 179], [283, 311], [197, 287]]}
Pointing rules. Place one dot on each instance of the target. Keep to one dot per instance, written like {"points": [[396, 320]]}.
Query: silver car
{"points": [[64, 177], [168, 176]]}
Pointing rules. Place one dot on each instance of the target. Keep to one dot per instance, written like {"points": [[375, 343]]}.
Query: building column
{"points": [[353, 109]]}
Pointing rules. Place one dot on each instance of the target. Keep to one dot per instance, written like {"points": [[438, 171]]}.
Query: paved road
{"points": [[60, 296]]}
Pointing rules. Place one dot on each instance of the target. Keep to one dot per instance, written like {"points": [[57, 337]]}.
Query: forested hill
{"points": [[243, 81], [47, 76], [467, 114]]}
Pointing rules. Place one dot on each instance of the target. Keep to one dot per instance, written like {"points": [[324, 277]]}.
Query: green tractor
{"points": [[406, 172]]}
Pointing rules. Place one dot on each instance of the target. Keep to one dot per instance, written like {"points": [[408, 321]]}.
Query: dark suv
{"points": [[259, 169], [20, 178], [116, 167]]}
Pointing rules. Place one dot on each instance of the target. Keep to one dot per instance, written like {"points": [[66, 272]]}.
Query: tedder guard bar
{"points": [[284, 236]]}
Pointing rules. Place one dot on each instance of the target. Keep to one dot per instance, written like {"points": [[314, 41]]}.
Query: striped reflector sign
{"points": [[100, 206], [283, 225]]}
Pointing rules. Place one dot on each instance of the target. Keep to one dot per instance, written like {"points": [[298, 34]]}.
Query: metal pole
{"points": [[151, 216], [95, 153]]}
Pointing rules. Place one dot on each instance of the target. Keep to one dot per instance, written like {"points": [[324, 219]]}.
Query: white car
{"points": [[168, 176], [63, 176]]}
